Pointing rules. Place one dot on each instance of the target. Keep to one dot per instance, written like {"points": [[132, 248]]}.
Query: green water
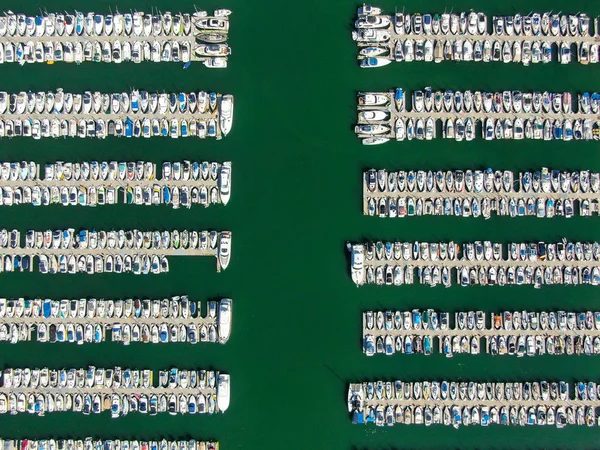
{"points": [[296, 199]]}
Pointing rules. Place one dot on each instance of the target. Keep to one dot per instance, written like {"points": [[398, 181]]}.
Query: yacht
{"points": [[357, 264], [223, 392], [224, 320], [375, 62], [225, 182], [224, 252], [226, 113]]}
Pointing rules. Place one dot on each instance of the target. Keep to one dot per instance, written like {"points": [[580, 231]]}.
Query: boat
{"points": [[225, 182], [226, 117], [223, 392], [224, 320], [374, 62], [224, 251]]}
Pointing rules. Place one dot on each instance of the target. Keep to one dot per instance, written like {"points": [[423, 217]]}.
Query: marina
{"points": [[543, 193], [92, 251], [93, 183], [126, 321], [117, 390], [463, 403], [123, 114], [110, 444], [520, 333], [115, 38], [462, 116], [470, 36], [475, 263]]}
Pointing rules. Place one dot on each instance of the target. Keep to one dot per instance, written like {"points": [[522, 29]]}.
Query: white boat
{"points": [[357, 264], [224, 252], [213, 50], [226, 113], [373, 116], [375, 140], [373, 51], [224, 320], [375, 62], [223, 392], [375, 129], [225, 182], [216, 63]]}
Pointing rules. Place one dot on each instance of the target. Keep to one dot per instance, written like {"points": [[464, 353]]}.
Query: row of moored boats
{"points": [[40, 391], [394, 206], [116, 38], [387, 403], [110, 444], [81, 321], [435, 321], [485, 181], [475, 23], [54, 123], [190, 183], [95, 103], [464, 37]]}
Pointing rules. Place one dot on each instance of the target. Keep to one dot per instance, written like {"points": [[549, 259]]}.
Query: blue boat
{"points": [[399, 98], [558, 131], [408, 347], [182, 102], [128, 127], [17, 262], [135, 104], [212, 129], [164, 130], [98, 333], [358, 417], [184, 130], [166, 194], [47, 308]]}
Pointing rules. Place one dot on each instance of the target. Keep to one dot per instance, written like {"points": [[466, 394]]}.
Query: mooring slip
{"points": [[383, 116], [120, 391], [475, 193], [111, 444], [127, 321], [129, 114], [520, 333], [134, 36], [92, 251], [465, 36], [479, 262], [462, 403], [92, 183]]}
